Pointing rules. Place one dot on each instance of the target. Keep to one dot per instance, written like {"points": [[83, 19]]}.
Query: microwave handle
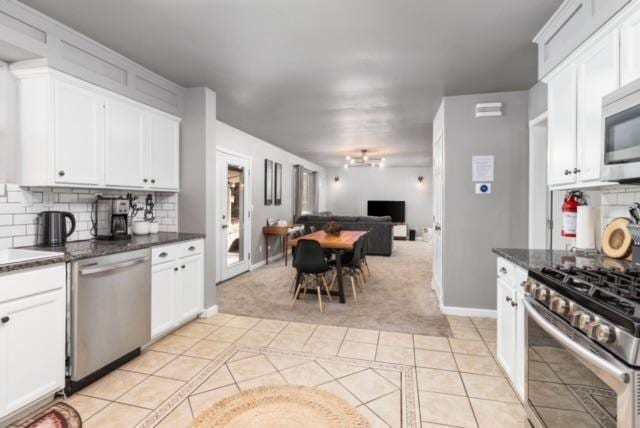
{"points": [[621, 376]]}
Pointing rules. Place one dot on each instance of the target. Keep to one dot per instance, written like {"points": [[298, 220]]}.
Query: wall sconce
{"points": [[420, 178], [336, 178]]}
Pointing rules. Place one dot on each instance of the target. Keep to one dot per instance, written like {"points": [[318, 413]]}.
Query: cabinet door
{"points": [[32, 349], [561, 147], [630, 49], [124, 144], [164, 138], [78, 134], [190, 287], [163, 298], [597, 76], [506, 328]]}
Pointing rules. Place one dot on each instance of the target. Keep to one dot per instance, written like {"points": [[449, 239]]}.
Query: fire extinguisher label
{"points": [[569, 223]]}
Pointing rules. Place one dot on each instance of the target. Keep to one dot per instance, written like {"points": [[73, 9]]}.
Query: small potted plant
{"points": [[332, 228]]}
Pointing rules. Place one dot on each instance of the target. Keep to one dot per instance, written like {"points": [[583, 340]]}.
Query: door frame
{"points": [[538, 171], [221, 258]]}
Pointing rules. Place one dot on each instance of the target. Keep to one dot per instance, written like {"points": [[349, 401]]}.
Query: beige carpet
{"points": [[398, 296]]}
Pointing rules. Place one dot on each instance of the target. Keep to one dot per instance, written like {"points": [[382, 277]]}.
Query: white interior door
{"points": [[233, 213]]}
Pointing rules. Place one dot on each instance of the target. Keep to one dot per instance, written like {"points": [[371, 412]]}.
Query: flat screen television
{"points": [[394, 209]]}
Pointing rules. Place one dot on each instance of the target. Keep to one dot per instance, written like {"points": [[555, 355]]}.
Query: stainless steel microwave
{"points": [[621, 134]]}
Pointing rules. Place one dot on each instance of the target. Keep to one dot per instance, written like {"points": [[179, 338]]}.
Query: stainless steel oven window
{"points": [[574, 385]]}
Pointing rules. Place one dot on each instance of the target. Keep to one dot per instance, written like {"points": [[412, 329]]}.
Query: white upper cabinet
{"points": [[78, 134], [598, 73], [163, 172], [630, 48], [124, 144], [562, 127]]}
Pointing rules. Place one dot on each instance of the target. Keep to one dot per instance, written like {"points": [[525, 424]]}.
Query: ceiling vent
{"points": [[488, 109]]}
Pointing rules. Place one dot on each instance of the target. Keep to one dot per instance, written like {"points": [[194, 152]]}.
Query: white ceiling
{"points": [[325, 78]]}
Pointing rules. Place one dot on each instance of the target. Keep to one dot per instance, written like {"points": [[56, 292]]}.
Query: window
{"points": [[308, 192]]}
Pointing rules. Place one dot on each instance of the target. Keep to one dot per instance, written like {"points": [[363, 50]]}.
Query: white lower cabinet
{"points": [[177, 285], [32, 336], [511, 322]]}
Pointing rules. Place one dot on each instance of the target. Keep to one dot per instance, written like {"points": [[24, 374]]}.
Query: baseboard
{"points": [[262, 263], [209, 312], [468, 312]]}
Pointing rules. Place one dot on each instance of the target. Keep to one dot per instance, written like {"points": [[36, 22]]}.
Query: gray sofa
{"points": [[379, 239]]}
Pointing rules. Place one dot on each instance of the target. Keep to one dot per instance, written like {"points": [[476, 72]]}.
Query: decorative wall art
{"points": [[268, 182], [278, 184]]}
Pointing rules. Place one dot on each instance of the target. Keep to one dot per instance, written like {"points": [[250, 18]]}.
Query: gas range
{"points": [[603, 304]]}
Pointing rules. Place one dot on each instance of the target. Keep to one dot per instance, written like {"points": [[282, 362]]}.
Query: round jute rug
{"points": [[282, 406]]}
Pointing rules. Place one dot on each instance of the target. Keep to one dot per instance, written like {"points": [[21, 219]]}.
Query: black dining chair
{"points": [[363, 258], [310, 264]]}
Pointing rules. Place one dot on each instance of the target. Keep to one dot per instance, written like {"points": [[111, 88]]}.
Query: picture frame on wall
{"points": [[278, 184], [268, 182]]}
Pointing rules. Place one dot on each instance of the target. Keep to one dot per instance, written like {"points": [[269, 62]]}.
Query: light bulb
{"points": [[346, 166], [365, 157], [353, 161], [348, 158]]}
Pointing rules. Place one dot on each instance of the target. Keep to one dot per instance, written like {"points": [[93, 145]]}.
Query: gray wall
{"points": [[26, 34], [356, 186], [196, 200], [474, 224], [240, 142], [537, 100]]}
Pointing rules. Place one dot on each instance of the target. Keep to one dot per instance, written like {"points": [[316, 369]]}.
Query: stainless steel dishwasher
{"points": [[110, 314]]}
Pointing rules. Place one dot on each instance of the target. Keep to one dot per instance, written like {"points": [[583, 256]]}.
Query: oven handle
{"points": [[583, 353], [108, 268]]}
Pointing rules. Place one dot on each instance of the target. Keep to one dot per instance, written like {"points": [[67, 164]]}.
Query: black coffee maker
{"points": [[112, 218], [52, 228]]}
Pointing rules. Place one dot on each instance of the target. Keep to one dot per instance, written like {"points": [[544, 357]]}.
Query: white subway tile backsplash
{"points": [[18, 230], [19, 209]]}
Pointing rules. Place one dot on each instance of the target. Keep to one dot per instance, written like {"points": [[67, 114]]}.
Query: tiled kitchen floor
{"points": [[394, 379]]}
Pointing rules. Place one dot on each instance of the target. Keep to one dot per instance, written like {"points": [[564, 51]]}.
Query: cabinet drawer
{"points": [[506, 270], [32, 281], [164, 254], [520, 275], [190, 248]]}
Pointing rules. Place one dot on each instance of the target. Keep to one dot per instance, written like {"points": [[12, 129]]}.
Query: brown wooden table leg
{"points": [[266, 249]]}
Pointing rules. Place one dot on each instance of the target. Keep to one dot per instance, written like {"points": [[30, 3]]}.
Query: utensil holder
{"points": [[634, 229]]}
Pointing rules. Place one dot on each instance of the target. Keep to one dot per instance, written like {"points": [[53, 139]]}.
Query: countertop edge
{"points": [[109, 247], [501, 252]]}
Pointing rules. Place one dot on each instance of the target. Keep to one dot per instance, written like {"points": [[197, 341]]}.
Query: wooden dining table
{"points": [[346, 241]]}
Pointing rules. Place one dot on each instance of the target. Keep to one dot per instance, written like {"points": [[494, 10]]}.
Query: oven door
{"points": [[571, 381]]}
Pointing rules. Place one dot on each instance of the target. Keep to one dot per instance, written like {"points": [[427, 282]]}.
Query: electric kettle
{"points": [[52, 228]]}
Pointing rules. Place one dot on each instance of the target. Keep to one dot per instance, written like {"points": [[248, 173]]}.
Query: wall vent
{"points": [[488, 109]]}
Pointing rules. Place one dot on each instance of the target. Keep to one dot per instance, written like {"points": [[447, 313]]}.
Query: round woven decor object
{"points": [[281, 406]]}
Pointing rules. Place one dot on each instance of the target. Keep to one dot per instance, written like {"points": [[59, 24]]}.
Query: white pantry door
{"points": [[438, 185], [233, 211]]}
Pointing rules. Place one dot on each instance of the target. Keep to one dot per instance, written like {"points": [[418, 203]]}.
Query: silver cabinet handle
{"points": [[163, 254], [192, 248], [61, 173], [621, 376], [508, 299], [576, 170], [153, 180], [503, 270], [108, 268], [567, 172]]}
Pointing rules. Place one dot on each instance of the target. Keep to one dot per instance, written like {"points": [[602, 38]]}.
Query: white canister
{"points": [[154, 227], [140, 227]]}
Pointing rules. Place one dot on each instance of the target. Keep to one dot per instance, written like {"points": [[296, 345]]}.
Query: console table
{"points": [[283, 233]]}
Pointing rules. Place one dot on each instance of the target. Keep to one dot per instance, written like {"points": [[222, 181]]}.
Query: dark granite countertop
{"points": [[535, 259], [77, 250]]}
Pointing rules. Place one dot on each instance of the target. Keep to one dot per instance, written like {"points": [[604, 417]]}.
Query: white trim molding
{"points": [[468, 312], [262, 263], [209, 312]]}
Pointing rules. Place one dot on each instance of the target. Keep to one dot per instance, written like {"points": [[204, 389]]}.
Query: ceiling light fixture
{"points": [[365, 160]]}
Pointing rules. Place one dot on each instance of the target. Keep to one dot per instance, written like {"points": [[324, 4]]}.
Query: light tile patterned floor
{"points": [[394, 379]]}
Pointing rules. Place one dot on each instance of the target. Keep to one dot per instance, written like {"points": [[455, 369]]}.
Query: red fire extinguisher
{"points": [[572, 200]]}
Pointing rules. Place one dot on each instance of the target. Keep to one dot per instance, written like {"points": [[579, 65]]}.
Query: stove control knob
{"points": [[542, 294], [530, 287], [590, 328], [604, 334], [580, 320], [559, 305]]}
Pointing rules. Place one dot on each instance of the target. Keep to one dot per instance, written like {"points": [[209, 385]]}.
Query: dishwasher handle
{"points": [[107, 268]]}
